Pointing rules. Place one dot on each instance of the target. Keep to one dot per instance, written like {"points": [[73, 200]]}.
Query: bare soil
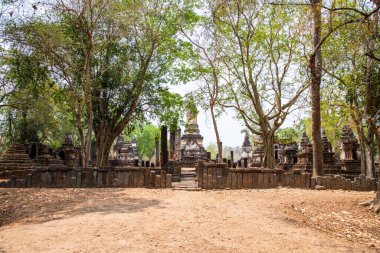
{"points": [[145, 220]]}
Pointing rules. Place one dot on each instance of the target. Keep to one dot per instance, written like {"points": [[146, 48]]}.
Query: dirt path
{"points": [[140, 220]]}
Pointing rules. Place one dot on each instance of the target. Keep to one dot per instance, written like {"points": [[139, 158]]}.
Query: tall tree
{"points": [[315, 66], [112, 63], [260, 48], [207, 65]]}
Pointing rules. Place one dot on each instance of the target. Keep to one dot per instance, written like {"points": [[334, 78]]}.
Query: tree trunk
{"points": [[218, 142], [315, 64], [268, 145], [370, 161], [378, 159], [104, 140], [363, 157], [103, 151]]}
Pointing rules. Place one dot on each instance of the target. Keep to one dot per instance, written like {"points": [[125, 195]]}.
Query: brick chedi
{"points": [[47, 157], [16, 161], [348, 145], [258, 153], [329, 166], [288, 156], [246, 148], [191, 148], [69, 153], [305, 154], [126, 152]]}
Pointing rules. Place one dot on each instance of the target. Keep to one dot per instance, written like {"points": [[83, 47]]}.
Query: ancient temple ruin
{"points": [[246, 148], [125, 152], [349, 161], [191, 148]]}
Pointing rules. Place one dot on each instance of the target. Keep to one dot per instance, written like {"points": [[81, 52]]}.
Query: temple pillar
{"points": [[164, 147]]}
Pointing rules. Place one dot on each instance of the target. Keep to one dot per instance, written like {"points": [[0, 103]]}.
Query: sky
{"points": [[230, 128]]}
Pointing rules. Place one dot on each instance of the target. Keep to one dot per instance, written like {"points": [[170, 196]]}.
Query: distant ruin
{"points": [[189, 166]]}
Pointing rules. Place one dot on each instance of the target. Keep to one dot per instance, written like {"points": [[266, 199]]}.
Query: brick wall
{"points": [[218, 176], [70, 178]]}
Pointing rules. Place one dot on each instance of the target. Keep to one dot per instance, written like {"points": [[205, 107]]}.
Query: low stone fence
{"points": [[218, 176], [90, 177], [336, 182]]}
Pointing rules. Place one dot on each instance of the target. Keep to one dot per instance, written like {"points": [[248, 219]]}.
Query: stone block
{"points": [[46, 179], [348, 185], [142, 176], [127, 179], [209, 178], [307, 180], [214, 185], [104, 178], [54, 178], [275, 180], [169, 178], [245, 184], [219, 178], [313, 182], [255, 180], [92, 178], [260, 180], [157, 181], [326, 182], [297, 180], [373, 185], [200, 175], [163, 178], [29, 180], [281, 179], [131, 179], [36, 179], [367, 184], [78, 183], [289, 179], [99, 179], [333, 183], [270, 180], [234, 181], [319, 180], [204, 178], [136, 179], [152, 179], [356, 184], [229, 180], [20, 183], [239, 180], [147, 180]]}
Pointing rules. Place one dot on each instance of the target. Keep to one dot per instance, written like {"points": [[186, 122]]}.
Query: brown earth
{"points": [[144, 220]]}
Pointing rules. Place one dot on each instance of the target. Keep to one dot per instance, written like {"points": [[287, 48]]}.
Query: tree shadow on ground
{"points": [[42, 205]]}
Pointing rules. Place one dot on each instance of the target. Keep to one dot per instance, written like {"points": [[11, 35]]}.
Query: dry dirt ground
{"points": [[144, 220]]}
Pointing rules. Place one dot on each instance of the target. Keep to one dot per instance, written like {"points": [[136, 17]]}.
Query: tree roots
{"points": [[373, 205]]}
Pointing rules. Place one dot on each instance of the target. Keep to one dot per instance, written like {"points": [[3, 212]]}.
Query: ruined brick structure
{"points": [[125, 152], [191, 149], [293, 157]]}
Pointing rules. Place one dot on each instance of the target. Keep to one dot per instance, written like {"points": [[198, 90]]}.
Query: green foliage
{"points": [[289, 134], [169, 109], [33, 113], [211, 147], [145, 137]]}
